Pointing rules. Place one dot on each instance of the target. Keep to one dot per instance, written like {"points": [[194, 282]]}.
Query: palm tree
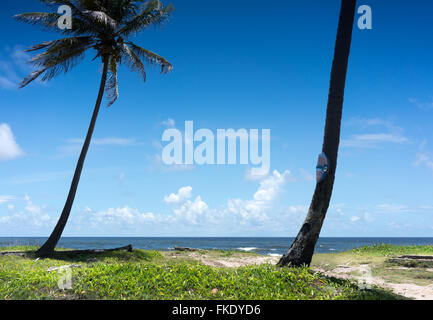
{"points": [[105, 26], [302, 248]]}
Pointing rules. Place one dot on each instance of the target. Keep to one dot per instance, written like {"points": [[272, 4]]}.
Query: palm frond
{"points": [[103, 25], [119, 10], [133, 61], [102, 19], [153, 13], [90, 20], [111, 86], [151, 57], [49, 21], [60, 56]]}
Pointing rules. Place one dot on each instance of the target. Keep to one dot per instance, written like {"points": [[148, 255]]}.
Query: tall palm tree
{"points": [[105, 26], [302, 248]]}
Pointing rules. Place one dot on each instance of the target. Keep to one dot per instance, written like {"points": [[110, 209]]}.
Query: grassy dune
{"points": [[168, 275]]}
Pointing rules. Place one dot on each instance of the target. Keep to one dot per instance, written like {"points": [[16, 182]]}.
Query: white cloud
{"points": [[37, 177], [366, 218], [74, 145], [32, 218], [354, 219], [188, 212], [37, 213], [424, 159], [183, 194], [9, 149], [109, 141], [254, 177], [185, 213], [389, 134], [299, 209], [400, 208], [169, 123], [124, 214], [372, 140], [156, 163], [256, 209], [14, 68], [423, 105], [192, 211], [4, 199], [270, 186]]}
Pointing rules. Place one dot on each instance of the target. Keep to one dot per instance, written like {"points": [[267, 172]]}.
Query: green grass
{"points": [[377, 257], [388, 250], [153, 275]]}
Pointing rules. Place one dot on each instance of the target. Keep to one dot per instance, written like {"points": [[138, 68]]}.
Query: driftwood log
{"points": [[185, 249], [416, 257], [127, 248], [68, 252], [12, 253]]}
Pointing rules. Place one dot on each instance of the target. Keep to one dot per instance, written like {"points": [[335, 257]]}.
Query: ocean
{"points": [[265, 246]]}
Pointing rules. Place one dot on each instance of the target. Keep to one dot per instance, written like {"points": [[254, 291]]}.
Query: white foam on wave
{"points": [[248, 248], [274, 254]]}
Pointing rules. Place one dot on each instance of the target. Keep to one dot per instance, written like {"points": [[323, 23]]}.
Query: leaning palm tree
{"points": [[302, 248], [104, 26]]}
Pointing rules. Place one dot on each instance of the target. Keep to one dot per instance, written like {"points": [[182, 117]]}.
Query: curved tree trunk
{"points": [[47, 249], [301, 250]]}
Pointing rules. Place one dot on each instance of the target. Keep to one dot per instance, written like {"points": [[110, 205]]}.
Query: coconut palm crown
{"points": [[102, 25], [105, 26]]}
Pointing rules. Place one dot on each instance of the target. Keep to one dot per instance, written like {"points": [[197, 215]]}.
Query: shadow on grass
{"points": [[135, 255], [118, 256], [372, 293]]}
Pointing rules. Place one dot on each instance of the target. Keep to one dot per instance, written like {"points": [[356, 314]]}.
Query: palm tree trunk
{"points": [[47, 249], [302, 249]]}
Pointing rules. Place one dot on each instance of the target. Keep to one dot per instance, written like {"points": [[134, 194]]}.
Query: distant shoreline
{"points": [[268, 246]]}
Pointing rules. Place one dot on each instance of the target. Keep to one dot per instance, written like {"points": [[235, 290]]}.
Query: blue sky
{"points": [[237, 64]]}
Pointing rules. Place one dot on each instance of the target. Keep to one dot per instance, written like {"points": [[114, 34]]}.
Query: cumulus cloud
{"points": [[185, 213], [188, 212], [183, 194], [28, 220], [192, 212], [256, 210], [9, 149]]}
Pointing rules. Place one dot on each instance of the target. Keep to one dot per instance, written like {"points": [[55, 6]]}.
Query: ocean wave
{"points": [[274, 254], [247, 248]]}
